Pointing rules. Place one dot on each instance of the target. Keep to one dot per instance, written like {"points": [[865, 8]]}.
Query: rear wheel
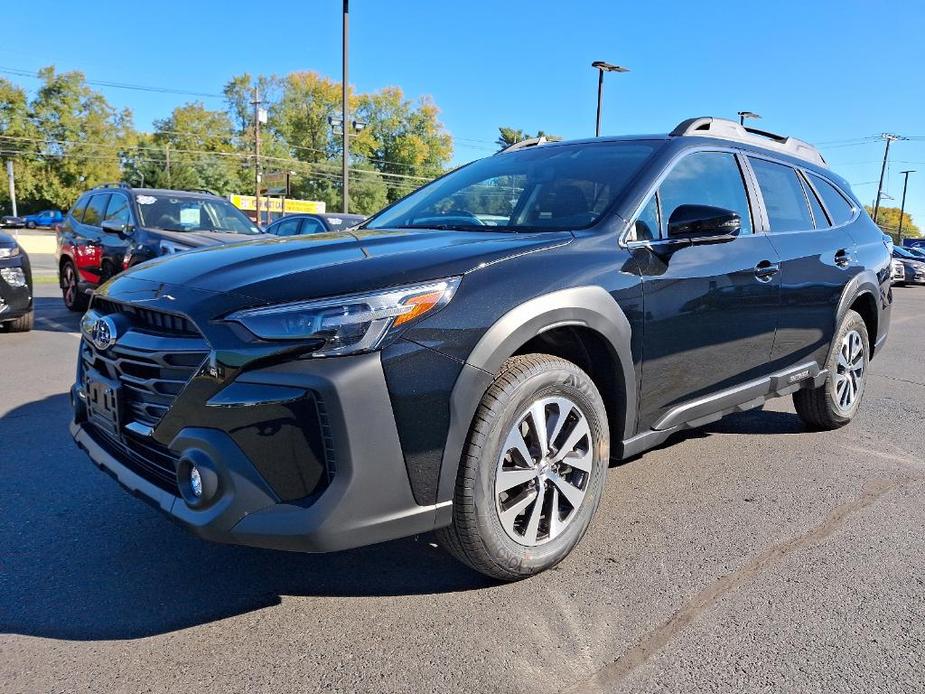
{"points": [[533, 469], [836, 402], [23, 324], [74, 299]]}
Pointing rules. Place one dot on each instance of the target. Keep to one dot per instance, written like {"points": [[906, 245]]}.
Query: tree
{"points": [[18, 139], [888, 220], [511, 136], [82, 137], [67, 139], [404, 141], [202, 152]]}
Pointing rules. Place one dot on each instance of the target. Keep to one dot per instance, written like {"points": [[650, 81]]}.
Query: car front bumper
{"points": [[368, 498]]}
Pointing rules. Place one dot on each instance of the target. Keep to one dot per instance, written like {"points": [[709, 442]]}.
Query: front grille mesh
{"points": [[152, 362]]}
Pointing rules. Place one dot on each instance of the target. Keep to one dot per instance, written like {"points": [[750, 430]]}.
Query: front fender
{"points": [[590, 307]]}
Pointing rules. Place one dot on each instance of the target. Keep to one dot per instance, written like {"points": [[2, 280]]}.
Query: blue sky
{"points": [[826, 71]]}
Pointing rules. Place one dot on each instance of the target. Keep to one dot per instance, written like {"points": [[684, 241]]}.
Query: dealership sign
{"points": [[248, 203]]}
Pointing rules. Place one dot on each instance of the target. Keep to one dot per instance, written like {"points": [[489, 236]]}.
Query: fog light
{"points": [[195, 482]]}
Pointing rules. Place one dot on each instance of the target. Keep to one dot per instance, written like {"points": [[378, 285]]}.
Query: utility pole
{"points": [[889, 137], [256, 103], [167, 166], [902, 208], [344, 109], [12, 180]]}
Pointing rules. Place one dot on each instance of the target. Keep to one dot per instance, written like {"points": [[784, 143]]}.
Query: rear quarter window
{"points": [[840, 210]]}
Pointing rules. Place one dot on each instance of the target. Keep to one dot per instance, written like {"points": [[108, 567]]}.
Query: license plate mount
{"points": [[103, 402]]}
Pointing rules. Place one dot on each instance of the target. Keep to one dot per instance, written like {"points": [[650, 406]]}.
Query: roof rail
{"points": [[202, 190], [120, 184], [707, 126], [530, 142]]}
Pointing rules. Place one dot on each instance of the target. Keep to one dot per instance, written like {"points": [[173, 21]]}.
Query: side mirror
{"points": [[112, 226], [703, 222]]}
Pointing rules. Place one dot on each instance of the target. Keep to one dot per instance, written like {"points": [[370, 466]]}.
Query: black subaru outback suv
{"points": [[472, 358]]}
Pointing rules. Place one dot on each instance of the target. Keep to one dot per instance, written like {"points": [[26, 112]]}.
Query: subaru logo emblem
{"points": [[100, 330]]}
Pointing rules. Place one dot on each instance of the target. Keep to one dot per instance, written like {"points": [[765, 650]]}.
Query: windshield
{"points": [[188, 213], [905, 253], [543, 188]]}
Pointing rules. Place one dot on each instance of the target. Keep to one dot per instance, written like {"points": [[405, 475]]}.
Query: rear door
{"points": [[817, 260], [710, 307]]}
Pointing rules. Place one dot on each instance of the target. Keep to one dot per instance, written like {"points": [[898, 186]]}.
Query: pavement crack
{"points": [[901, 380], [614, 673]]}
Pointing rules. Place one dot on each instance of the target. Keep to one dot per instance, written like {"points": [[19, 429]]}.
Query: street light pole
{"points": [[902, 207], [886, 153], [344, 111], [602, 67]]}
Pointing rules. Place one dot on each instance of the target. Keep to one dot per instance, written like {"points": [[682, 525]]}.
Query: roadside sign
{"points": [[248, 203]]}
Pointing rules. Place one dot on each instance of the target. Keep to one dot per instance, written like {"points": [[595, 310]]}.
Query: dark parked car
{"points": [[11, 222], [45, 218], [114, 226], [912, 263], [296, 224], [16, 311], [432, 371]]}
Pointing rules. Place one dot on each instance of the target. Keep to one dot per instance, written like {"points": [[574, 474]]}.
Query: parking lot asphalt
{"points": [[751, 555]]}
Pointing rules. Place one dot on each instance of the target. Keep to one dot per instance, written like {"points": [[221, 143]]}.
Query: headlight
{"points": [[13, 276], [348, 324], [9, 252]]}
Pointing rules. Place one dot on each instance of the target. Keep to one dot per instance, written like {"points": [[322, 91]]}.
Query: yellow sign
{"points": [[249, 203]]}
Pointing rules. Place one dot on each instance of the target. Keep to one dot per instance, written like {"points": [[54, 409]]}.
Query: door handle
{"points": [[765, 270], [842, 257]]}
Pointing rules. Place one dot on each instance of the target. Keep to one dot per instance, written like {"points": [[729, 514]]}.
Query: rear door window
{"points": [[784, 200], [706, 178], [312, 226], [839, 208], [96, 210], [287, 227]]}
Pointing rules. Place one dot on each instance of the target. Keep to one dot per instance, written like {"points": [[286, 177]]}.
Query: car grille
{"points": [[152, 361]]}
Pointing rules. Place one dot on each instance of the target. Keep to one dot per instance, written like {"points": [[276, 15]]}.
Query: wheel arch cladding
{"points": [[583, 322], [860, 294]]}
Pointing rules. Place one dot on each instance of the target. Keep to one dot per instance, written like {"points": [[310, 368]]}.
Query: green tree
{"points": [[888, 220], [404, 141], [18, 142], [201, 145], [83, 137], [511, 136]]}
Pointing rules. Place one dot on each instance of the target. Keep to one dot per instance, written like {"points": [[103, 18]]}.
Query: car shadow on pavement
{"points": [[755, 422], [81, 559], [51, 315]]}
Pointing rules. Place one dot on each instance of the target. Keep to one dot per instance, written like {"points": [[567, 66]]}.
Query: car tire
{"points": [[23, 324], [30, 225], [508, 534], [836, 402], [74, 299]]}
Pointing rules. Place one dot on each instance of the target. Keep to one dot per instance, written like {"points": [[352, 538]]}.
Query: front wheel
{"points": [[533, 469], [23, 324], [836, 402], [74, 299], [30, 225]]}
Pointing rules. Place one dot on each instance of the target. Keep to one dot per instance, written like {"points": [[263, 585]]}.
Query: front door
{"points": [[710, 307]]}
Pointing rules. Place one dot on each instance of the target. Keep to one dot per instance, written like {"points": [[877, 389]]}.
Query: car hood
{"points": [[201, 239], [275, 270]]}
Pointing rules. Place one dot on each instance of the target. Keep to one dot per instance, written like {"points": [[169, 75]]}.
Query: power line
{"points": [[117, 85]]}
